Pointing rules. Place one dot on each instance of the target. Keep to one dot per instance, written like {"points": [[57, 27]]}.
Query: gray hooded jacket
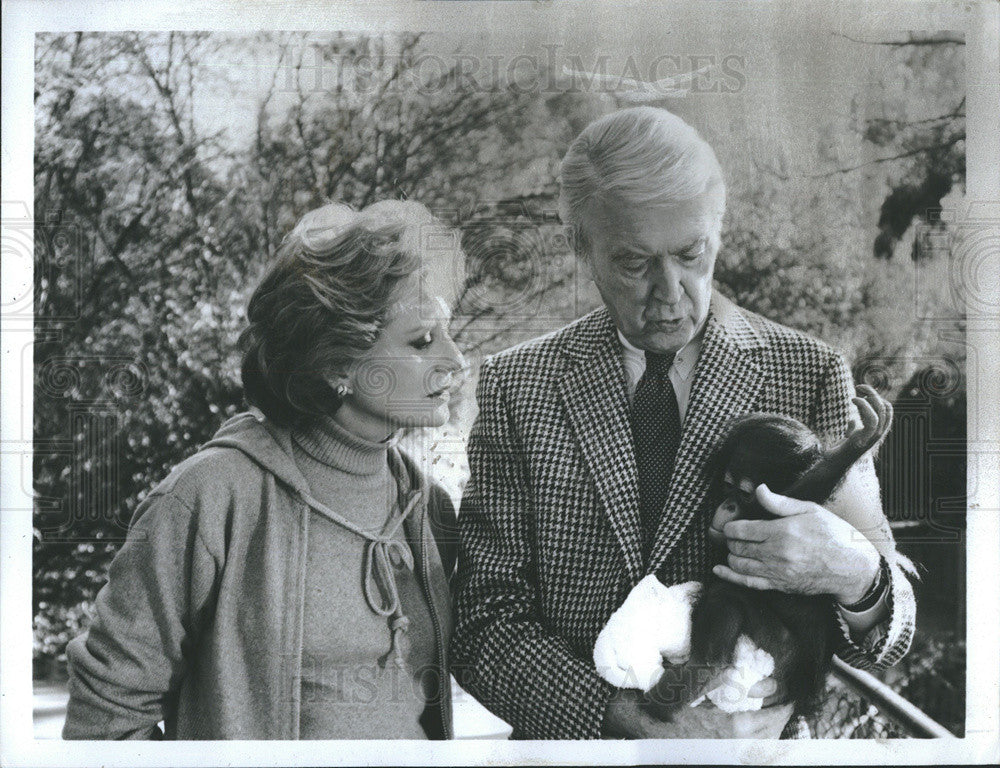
{"points": [[200, 624]]}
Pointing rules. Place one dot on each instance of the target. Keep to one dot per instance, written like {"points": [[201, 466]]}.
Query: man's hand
{"points": [[629, 716], [808, 550]]}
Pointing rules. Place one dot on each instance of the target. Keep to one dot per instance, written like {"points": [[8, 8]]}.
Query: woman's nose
{"points": [[448, 366], [452, 359]]}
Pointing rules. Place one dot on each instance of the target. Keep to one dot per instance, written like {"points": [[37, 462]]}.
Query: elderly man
{"points": [[588, 456]]}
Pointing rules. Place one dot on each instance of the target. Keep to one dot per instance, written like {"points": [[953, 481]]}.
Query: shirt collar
{"points": [[684, 360]]}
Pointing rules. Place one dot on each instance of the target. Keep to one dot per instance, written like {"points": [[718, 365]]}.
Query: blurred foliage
{"points": [[151, 231], [141, 252], [916, 120]]}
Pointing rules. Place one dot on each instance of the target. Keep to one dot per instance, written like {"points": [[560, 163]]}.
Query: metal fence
{"points": [[859, 706]]}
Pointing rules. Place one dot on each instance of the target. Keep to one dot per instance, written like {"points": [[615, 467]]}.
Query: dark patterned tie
{"points": [[656, 431]]}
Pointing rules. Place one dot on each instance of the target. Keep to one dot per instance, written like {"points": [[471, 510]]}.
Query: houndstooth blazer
{"points": [[549, 529]]}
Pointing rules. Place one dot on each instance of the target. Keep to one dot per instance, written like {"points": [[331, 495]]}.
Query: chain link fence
{"points": [[856, 705], [847, 715]]}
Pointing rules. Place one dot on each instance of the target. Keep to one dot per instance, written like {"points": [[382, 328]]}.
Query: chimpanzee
{"points": [[797, 630]]}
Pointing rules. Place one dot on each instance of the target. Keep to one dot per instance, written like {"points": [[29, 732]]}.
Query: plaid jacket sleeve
{"points": [[502, 652], [888, 641]]}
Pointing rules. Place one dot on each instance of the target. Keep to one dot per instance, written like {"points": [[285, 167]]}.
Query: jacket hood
{"points": [[267, 444]]}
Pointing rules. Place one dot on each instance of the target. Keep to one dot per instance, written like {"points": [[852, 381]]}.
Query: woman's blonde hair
{"points": [[323, 301]]}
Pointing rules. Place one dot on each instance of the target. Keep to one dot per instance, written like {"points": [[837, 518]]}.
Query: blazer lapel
{"points": [[595, 398], [727, 379]]}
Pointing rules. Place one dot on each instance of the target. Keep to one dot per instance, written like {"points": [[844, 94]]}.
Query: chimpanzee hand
{"points": [[876, 419], [807, 550]]}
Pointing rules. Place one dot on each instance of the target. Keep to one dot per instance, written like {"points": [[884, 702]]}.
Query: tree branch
{"points": [[900, 43], [956, 112], [960, 136], [537, 293]]}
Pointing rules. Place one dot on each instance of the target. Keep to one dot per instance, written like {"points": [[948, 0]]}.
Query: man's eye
{"points": [[423, 342], [695, 251], [632, 264]]}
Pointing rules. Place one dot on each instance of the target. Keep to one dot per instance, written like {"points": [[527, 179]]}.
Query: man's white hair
{"points": [[639, 156]]}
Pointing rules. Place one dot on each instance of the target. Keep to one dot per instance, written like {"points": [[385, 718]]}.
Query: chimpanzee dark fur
{"points": [[797, 630]]}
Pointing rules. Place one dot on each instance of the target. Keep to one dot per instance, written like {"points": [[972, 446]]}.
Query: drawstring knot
{"points": [[381, 592], [399, 625]]}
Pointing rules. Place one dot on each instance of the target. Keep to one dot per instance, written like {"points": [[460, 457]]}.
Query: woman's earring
{"points": [[343, 390]]}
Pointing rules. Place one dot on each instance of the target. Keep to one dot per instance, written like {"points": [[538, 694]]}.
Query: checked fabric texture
{"points": [[550, 539], [656, 431]]}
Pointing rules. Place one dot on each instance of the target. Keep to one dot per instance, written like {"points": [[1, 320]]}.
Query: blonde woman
{"points": [[290, 579]]}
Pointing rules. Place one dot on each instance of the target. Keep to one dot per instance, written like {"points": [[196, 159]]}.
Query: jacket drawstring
{"points": [[381, 592]]}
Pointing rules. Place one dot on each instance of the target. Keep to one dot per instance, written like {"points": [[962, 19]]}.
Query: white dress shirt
{"points": [[681, 371]]}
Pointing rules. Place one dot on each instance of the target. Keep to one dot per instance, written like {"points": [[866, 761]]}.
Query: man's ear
{"points": [[579, 252]]}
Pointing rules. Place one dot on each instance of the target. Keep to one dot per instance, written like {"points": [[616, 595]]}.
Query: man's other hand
{"points": [[630, 716]]}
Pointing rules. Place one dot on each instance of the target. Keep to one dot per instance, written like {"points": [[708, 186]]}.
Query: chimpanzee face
{"points": [[740, 501], [758, 448]]}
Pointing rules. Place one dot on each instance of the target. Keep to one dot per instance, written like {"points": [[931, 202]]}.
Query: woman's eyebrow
{"points": [[421, 328]]}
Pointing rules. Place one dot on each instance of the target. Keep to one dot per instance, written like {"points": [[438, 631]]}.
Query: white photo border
{"points": [[23, 18]]}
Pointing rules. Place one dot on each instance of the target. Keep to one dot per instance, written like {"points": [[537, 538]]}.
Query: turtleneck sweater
{"points": [[356, 684]]}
